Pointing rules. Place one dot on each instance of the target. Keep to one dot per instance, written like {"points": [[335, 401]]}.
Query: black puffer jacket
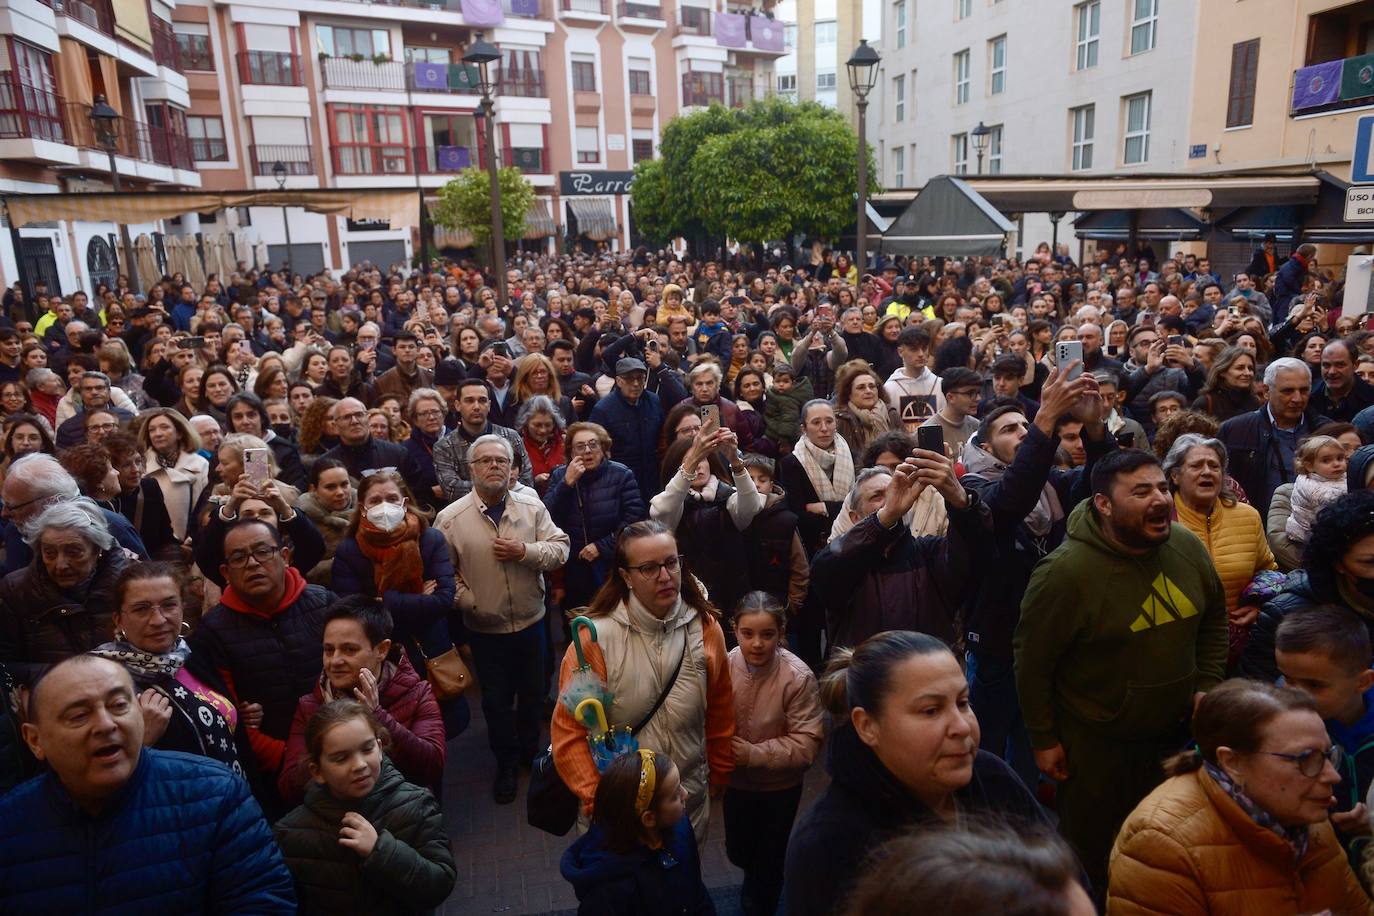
{"points": [[592, 511], [410, 870], [41, 624], [1299, 592]]}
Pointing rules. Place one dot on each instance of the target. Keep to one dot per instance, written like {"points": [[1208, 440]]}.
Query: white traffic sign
{"points": [[1359, 204]]}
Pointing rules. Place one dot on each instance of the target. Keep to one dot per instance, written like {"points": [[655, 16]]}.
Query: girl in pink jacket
{"points": [[778, 732]]}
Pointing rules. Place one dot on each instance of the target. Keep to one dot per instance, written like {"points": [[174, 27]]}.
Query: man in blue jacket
{"points": [[120, 828], [633, 417]]}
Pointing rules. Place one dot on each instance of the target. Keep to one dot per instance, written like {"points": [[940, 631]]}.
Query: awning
{"points": [[947, 219], [539, 221], [1140, 192], [452, 238], [1171, 224], [595, 217], [398, 207]]}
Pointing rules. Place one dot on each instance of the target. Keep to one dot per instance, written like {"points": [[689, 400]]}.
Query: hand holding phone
{"points": [[1066, 352], [710, 418], [255, 465]]}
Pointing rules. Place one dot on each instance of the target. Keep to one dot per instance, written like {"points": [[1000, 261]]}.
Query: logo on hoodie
{"points": [[1166, 603]]}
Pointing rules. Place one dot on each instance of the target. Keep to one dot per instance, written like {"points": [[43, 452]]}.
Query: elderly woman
{"points": [[60, 605], [817, 475], [1241, 825], [1232, 531], [171, 455], [705, 379], [541, 424], [90, 465], [426, 410], [862, 413]]}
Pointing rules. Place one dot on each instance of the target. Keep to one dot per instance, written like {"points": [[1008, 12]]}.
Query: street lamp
{"points": [[279, 173], [980, 142], [482, 55], [863, 75], [105, 122]]}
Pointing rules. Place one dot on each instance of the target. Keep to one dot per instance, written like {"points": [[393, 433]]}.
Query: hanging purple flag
{"points": [[767, 33], [483, 12], [430, 76], [452, 158], [524, 7], [730, 30], [1319, 84]]}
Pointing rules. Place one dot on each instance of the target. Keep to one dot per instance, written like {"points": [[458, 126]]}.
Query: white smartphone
{"points": [[255, 465], [1065, 352]]}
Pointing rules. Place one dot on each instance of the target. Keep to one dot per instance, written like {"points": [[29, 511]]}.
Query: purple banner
{"points": [[430, 76], [1319, 84], [730, 30], [452, 158], [524, 7], [483, 12], [767, 33]]}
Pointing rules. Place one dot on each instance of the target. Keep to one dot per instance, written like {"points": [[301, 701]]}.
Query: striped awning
{"points": [[595, 217], [539, 221]]}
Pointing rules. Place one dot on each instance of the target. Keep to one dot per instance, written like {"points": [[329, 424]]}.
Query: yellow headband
{"points": [[647, 781]]}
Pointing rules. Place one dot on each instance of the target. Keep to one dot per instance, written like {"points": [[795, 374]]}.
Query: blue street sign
{"points": [[1362, 163]]}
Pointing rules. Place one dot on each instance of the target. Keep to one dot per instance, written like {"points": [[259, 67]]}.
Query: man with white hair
{"points": [[35, 482], [208, 428], [1262, 443]]}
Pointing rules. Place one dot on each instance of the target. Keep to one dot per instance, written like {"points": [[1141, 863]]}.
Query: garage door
{"points": [[382, 254], [307, 258]]}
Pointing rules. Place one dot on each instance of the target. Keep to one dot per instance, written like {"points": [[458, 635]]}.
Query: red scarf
{"points": [[395, 555], [295, 585]]}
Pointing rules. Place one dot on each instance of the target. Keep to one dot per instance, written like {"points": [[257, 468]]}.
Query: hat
{"points": [[911, 278], [671, 289], [886, 266], [628, 364], [449, 372]]}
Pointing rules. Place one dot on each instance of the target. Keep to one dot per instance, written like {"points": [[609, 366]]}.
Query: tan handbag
{"points": [[448, 674]]}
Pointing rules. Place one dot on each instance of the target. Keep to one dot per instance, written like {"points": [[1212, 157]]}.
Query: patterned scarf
{"points": [[1296, 837], [831, 472], [395, 555], [147, 664]]}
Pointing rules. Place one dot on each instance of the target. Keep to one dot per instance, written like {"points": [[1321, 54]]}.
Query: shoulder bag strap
{"points": [[667, 688]]}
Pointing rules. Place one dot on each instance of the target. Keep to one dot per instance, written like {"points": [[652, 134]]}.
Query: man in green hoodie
{"points": [[1122, 628]]}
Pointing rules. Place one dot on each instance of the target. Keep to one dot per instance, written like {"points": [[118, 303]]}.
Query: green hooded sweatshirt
{"points": [[1118, 643]]}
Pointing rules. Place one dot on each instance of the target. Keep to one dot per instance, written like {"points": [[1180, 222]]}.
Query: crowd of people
{"points": [[1066, 571]]}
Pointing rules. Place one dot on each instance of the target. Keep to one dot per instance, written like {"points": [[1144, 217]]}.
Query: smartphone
{"points": [[1125, 440], [190, 343], [1112, 350], [931, 438], [501, 349], [710, 418], [1175, 340], [1065, 352], [998, 318], [825, 313], [255, 465]]}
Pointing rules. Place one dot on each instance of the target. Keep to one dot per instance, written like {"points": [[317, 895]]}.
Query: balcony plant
{"points": [[357, 58], [381, 57], [323, 56]]}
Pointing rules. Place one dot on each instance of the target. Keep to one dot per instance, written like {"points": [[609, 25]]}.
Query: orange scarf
{"points": [[395, 555]]}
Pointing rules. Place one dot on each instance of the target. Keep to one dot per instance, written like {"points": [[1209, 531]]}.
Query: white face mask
{"points": [[387, 516]]}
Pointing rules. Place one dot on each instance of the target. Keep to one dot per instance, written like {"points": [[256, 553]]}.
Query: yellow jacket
{"points": [[1234, 537]]}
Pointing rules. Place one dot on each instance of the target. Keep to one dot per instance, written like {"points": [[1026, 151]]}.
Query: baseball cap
{"points": [[628, 364]]}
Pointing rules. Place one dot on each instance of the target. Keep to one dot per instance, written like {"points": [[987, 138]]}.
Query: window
{"points": [[588, 145], [207, 139], [825, 32], [369, 140], [898, 167], [522, 73], [899, 97], [194, 51], [642, 149], [427, 55], [963, 9], [33, 109], [961, 80], [997, 55], [584, 73], [1240, 100], [995, 150], [1083, 137], [959, 153], [825, 81], [1143, 20], [899, 14], [789, 35], [641, 80], [1137, 137], [336, 41], [787, 83], [1089, 16]]}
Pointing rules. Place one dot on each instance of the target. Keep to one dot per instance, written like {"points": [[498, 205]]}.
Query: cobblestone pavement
{"points": [[507, 866]]}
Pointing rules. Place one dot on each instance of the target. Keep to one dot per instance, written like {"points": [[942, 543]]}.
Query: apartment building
{"points": [[56, 58]]}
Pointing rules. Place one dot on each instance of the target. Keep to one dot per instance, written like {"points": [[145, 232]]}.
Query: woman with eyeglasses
{"points": [[1241, 824], [657, 635]]}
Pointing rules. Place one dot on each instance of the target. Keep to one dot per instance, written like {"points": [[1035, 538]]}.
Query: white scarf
{"points": [[831, 472]]}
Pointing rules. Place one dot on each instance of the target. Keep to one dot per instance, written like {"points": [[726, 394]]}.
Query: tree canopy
{"points": [[465, 203], [753, 174]]}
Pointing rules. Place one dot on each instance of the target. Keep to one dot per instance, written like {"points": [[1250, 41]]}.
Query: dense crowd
{"points": [[1069, 569]]}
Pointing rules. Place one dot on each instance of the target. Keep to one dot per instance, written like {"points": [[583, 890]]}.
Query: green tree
{"points": [[753, 174], [465, 203]]}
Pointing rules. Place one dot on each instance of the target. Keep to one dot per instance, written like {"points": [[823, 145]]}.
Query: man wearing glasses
{"points": [[264, 638], [361, 452], [93, 391], [451, 453], [504, 541]]}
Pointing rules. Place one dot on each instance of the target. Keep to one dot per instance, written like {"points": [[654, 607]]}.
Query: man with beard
{"points": [[1122, 629]]}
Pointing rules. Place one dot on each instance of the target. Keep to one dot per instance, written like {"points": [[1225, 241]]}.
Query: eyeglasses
{"points": [[651, 570], [428, 414], [587, 447], [1312, 762], [262, 553], [166, 608], [358, 417]]}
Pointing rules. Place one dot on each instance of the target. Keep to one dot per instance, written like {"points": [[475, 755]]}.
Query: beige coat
{"points": [[181, 486], [502, 596], [779, 724]]}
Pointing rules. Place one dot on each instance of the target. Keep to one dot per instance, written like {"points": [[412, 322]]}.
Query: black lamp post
{"points": [[482, 54], [863, 75], [105, 122], [279, 173], [980, 142]]}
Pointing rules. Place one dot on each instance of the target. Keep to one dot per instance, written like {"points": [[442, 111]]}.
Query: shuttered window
{"points": [[1240, 102]]}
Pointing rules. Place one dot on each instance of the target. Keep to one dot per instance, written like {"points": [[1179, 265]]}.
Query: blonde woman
{"points": [[171, 456]]}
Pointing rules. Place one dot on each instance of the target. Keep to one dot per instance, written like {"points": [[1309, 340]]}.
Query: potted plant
{"points": [[357, 58], [381, 57]]}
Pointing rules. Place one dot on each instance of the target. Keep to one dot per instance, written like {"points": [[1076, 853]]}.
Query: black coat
{"points": [[375, 454], [290, 469], [865, 805], [146, 510], [1343, 411], [814, 529], [1252, 450], [1299, 593]]}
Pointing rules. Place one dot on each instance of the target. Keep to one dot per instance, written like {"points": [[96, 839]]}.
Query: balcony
{"points": [[1333, 85], [460, 79], [527, 84], [528, 159], [269, 68], [362, 73], [94, 14], [27, 113], [597, 10], [740, 91], [209, 149], [445, 160], [652, 11], [701, 89], [165, 51], [527, 9], [693, 20], [142, 142], [299, 160]]}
